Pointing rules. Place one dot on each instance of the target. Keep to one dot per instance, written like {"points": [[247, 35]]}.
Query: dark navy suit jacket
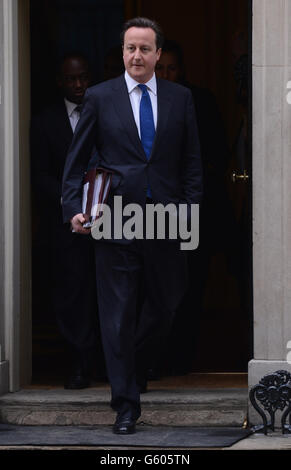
{"points": [[173, 171], [63, 262], [51, 136]]}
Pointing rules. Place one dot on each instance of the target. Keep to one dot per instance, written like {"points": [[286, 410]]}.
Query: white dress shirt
{"points": [[72, 113], [135, 95]]}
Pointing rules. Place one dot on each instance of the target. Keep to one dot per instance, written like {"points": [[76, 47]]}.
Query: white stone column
{"points": [[271, 188], [15, 272], [10, 192], [4, 376], [3, 366]]}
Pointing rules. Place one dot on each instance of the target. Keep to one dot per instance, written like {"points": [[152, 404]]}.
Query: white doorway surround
{"points": [[271, 72], [15, 271]]}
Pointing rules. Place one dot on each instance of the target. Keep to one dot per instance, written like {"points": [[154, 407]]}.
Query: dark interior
{"points": [[212, 331]]}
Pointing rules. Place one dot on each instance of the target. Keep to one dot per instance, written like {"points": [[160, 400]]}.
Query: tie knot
{"points": [[78, 108], [143, 87]]}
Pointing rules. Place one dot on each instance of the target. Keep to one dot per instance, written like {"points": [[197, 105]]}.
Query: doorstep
{"points": [[160, 406]]}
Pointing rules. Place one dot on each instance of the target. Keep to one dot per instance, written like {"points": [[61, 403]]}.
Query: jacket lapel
{"points": [[164, 105], [62, 127], [64, 123], [122, 105]]}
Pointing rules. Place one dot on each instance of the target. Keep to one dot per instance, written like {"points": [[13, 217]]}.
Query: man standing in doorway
{"points": [[145, 131], [72, 286]]}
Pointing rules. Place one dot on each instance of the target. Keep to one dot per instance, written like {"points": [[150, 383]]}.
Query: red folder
{"points": [[96, 188]]}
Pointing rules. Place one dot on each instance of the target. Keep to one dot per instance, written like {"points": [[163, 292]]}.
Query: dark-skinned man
{"points": [[72, 280]]}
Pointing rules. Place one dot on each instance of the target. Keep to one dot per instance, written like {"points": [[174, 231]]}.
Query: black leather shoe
{"points": [[141, 382], [143, 387], [77, 382], [124, 426], [154, 374], [79, 376]]}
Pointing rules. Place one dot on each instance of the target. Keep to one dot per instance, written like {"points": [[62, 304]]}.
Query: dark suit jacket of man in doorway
{"points": [[171, 174], [72, 262]]}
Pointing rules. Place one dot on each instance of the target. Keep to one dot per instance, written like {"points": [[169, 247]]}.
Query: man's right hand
{"points": [[77, 224]]}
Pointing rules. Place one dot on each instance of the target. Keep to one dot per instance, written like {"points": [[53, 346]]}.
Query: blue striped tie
{"points": [[147, 126]]}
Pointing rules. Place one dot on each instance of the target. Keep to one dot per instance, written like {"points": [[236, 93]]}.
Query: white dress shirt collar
{"points": [[132, 83], [70, 106]]}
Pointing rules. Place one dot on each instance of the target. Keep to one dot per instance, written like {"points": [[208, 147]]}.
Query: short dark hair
{"points": [[71, 55], [140, 22]]}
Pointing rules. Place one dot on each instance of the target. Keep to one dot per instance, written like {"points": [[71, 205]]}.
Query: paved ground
{"points": [[273, 441]]}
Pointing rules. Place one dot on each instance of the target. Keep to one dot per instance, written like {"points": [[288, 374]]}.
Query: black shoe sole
{"points": [[123, 432]]}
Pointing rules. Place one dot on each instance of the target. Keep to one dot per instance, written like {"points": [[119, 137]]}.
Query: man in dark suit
{"points": [[145, 132], [72, 267]]}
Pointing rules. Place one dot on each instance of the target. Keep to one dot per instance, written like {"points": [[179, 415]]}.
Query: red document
{"points": [[96, 188]]}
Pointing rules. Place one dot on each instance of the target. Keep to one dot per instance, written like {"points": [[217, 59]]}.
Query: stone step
{"points": [[174, 407]]}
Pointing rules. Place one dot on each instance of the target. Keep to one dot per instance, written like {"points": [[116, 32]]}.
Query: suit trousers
{"points": [[129, 334], [74, 298]]}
